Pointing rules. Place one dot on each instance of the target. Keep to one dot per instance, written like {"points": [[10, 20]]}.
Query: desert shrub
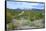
{"points": [[32, 19], [11, 26], [39, 15]]}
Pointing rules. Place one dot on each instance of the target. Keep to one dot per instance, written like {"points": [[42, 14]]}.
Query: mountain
{"points": [[26, 9]]}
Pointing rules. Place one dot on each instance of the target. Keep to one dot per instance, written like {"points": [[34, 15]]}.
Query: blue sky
{"points": [[22, 5]]}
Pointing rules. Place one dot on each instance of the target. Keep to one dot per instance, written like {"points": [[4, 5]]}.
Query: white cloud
{"points": [[32, 0]]}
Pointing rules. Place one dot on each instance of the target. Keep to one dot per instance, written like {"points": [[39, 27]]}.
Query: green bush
{"points": [[11, 26], [31, 19], [39, 15]]}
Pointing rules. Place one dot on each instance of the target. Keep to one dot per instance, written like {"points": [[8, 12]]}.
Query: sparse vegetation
{"points": [[29, 15]]}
